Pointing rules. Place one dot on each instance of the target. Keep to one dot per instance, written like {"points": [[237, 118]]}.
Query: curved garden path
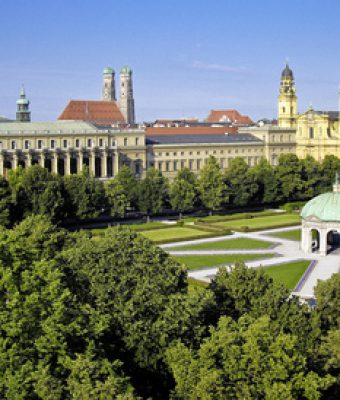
{"points": [[287, 251]]}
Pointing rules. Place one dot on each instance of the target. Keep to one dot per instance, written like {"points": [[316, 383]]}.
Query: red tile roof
{"points": [[100, 112], [190, 130], [232, 115]]}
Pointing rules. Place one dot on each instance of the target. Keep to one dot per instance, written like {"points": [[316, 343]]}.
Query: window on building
{"points": [[167, 166], [182, 164], [89, 142], [77, 143], [52, 144], [137, 141], [166, 154], [191, 164], [311, 133], [198, 164], [65, 143], [182, 153], [137, 168], [27, 144], [198, 153], [113, 142], [175, 154], [190, 153], [125, 141], [160, 165], [40, 144], [175, 165], [283, 109], [13, 145], [100, 142], [0, 145]]}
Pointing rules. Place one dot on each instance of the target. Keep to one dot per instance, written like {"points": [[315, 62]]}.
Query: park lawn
{"points": [[173, 234], [261, 223], [197, 284], [201, 261], [288, 273], [240, 243], [293, 235]]}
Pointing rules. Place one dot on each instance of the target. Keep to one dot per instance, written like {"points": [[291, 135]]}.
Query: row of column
{"points": [[67, 162]]}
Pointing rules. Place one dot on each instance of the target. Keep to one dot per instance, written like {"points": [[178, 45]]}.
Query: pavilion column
{"points": [[1, 164], [68, 164], [80, 161], [104, 164], [323, 243], [93, 163]]}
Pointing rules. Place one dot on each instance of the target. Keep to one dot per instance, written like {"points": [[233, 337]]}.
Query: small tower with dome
{"points": [[321, 222], [126, 100], [23, 113], [287, 105], [109, 89]]}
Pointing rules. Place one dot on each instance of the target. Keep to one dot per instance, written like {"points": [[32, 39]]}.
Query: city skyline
{"points": [[187, 58]]}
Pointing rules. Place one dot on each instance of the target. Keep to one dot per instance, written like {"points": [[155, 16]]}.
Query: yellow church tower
{"points": [[287, 107]]}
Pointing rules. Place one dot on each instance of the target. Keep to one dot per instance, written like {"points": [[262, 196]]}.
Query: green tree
{"points": [[211, 186], [327, 295], [46, 337], [130, 184], [244, 360], [6, 203], [153, 192], [311, 176], [240, 182], [289, 175], [329, 166], [116, 197], [85, 195], [182, 191], [267, 183]]}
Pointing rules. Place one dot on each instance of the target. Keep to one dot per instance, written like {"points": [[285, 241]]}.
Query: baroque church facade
{"points": [[102, 134]]}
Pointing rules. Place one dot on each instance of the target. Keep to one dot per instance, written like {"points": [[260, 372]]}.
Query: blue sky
{"points": [[187, 56]]}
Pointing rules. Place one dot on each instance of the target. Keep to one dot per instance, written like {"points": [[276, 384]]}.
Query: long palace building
{"points": [[103, 135]]}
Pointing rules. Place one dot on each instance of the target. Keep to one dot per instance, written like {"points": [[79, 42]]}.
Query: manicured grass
{"points": [[173, 234], [195, 262], [288, 273], [293, 235], [261, 223], [240, 243]]}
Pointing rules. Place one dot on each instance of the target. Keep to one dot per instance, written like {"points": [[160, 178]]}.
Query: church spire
{"points": [[23, 113]]}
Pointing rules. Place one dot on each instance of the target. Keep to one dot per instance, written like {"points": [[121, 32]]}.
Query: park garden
{"points": [[110, 312]]}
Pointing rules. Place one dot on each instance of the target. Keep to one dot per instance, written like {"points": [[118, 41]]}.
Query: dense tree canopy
{"points": [[35, 191], [112, 317]]}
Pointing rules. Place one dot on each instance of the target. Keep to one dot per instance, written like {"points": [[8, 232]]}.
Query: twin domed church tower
{"points": [[126, 101]]}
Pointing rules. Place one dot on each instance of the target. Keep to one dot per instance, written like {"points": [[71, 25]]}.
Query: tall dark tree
{"points": [[211, 186], [130, 184], [240, 183], [6, 203], [289, 175], [312, 177], [153, 192], [267, 183], [182, 193], [85, 195], [330, 165]]}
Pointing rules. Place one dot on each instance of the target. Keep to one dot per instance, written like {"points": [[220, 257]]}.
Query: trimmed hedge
{"points": [[211, 228], [247, 229], [232, 217], [188, 238], [293, 206]]}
